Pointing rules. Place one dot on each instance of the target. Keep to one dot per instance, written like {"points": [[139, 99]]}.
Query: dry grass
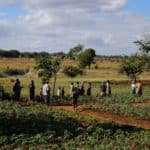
{"points": [[107, 70], [19, 63]]}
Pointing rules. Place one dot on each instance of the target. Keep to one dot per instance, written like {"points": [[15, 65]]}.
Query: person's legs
{"points": [[45, 99]]}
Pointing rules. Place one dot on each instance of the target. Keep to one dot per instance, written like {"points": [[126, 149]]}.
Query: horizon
{"points": [[110, 28]]}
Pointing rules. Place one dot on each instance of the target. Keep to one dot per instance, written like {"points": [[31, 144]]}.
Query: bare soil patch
{"points": [[109, 117]]}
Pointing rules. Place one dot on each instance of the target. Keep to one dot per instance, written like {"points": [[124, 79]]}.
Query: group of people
{"points": [[136, 87], [80, 88], [60, 92], [105, 88], [44, 92], [76, 89]]}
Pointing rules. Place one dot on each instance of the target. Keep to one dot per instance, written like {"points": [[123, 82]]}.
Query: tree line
{"points": [[18, 54]]}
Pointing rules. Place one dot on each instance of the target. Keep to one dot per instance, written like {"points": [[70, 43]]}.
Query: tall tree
{"points": [[48, 68], [144, 45], [44, 65], [86, 57], [75, 51], [55, 69]]}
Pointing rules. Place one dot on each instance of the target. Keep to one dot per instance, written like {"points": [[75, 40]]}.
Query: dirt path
{"points": [[109, 117]]}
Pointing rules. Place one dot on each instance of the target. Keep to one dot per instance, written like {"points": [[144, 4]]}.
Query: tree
{"points": [[86, 57], [72, 71], [44, 65], [75, 51], [132, 66], [48, 68], [144, 45], [55, 69], [145, 48]]}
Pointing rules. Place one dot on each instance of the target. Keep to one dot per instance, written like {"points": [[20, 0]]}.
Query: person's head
{"points": [[32, 81], [108, 81], [47, 81], [17, 80]]}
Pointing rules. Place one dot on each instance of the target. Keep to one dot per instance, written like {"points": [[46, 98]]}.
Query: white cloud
{"points": [[113, 5], [61, 24]]}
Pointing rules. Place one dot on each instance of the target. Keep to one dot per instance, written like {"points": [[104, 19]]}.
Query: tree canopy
{"points": [[132, 66], [86, 57], [48, 68], [75, 51], [144, 45]]}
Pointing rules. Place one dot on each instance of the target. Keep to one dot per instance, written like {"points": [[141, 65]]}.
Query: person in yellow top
{"points": [[139, 88]]}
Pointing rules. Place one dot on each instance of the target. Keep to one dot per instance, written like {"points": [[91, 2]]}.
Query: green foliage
{"points": [[39, 127], [44, 65], [132, 66], [86, 57], [13, 71], [75, 51], [2, 74], [144, 45], [72, 71], [119, 104], [48, 68]]}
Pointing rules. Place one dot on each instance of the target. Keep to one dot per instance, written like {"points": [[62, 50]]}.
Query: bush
{"points": [[13, 71], [72, 71], [2, 74]]}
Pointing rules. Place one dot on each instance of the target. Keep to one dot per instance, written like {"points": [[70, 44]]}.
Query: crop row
{"points": [[39, 127], [126, 109]]}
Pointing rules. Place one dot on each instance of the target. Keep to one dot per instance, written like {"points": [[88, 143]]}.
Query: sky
{"points": [[108, 26]]}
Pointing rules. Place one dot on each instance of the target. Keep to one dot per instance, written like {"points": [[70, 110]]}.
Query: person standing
{"points": [[62, 92], [46, 92], [74, 97], [103, 89], [139, 88], [71, 88], [108, 88], [133, 87], [17, 90], [89, 89], [59, 91], [32, 90]]}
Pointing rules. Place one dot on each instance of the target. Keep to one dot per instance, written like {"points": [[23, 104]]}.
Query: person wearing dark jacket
{"points": [[32, 90], [17, 89]]}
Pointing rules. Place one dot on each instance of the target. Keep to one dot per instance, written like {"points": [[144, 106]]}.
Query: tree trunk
{"points": [[55, 78]]}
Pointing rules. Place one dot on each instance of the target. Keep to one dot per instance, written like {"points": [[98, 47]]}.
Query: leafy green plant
{"points": [[72, 71]]}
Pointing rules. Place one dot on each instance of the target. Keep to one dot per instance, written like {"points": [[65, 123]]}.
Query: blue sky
{"points": [[110, 27], [139, 7], [12, 12]]}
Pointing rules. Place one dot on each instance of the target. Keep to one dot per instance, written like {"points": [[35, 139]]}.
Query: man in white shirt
{"points": [[46, 92]]}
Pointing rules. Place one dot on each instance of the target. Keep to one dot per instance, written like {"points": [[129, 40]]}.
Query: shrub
{"points": [[72, 71], [13, 71], [2, 74]]}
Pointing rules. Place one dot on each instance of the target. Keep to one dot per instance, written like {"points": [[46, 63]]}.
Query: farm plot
{"points": [[38, 126]]}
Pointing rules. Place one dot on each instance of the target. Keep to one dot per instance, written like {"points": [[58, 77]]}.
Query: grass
{"points": [[108, 69]]}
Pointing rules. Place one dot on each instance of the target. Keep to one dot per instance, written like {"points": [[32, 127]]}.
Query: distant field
{"points": [[107, 70]]}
